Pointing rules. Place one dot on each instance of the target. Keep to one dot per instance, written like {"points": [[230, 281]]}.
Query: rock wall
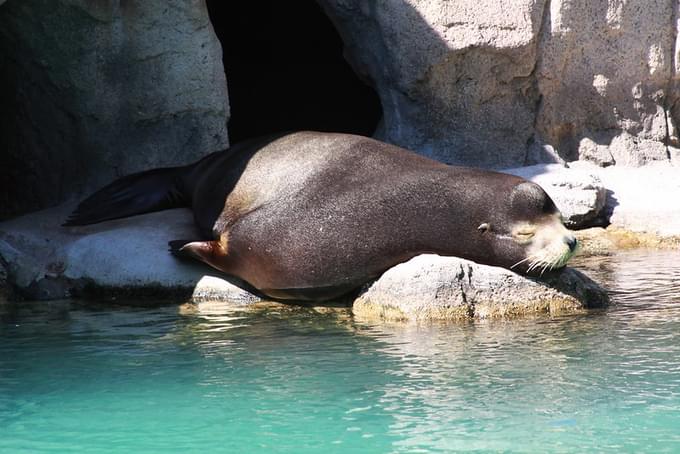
{"points": [[94, 90], [505, 83], [607, 75]]}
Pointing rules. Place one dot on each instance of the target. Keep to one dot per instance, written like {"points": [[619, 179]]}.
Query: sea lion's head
{"points": [[526, 233]]}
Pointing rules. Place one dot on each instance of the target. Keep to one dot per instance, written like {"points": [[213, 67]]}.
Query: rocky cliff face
{"points": [[93, 90], [515, 82], [90, 91]]}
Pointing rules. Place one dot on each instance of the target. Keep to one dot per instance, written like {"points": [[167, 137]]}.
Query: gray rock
{"points": [[640, 200], [455, 78], [606, 74], [123, 257], [579, 195], [643, 199], [212, 288], [506, 84], [447, 288], [96, 90], [591, 151]]}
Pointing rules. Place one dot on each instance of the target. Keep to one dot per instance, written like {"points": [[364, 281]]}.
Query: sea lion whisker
{"points": [[557, 263], [544, 262], [545, 267], [535, 264], [521, 261], [533, 259]]}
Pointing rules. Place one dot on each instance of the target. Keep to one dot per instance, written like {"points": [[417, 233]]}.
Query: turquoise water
{"points": [[103, 378]]}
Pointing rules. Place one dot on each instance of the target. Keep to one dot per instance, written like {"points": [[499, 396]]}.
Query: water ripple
{"points": [[274, 378]]}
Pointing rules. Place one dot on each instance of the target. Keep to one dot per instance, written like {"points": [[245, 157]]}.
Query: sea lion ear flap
{"points": [[525, 192], [528, 198], [484, 227]]}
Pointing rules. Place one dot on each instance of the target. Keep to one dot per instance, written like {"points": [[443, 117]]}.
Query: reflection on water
{"points": [[276, 378], [648, 280]]}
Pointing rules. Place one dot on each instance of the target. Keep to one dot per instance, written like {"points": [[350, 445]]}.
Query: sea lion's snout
{"points": [[548, 245], [538, 231], [572, 242]]}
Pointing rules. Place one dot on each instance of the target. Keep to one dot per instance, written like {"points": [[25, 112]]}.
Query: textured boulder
{"points": [[517, 82], [124, 257], [447, 288], [579, 194], [94, 90], [638, 203], [607, 80], [641, 199], [455, 78]]}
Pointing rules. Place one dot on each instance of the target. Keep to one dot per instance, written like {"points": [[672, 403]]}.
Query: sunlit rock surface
{"points": [[128, 256], [456, 79], [644, 199], [430, 287], [579, 195], [515, 82], [638, 203]]}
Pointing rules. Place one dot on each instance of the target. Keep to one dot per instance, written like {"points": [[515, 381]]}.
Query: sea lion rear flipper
{"points": [[175, 248], [211, 252], [139, 193]]}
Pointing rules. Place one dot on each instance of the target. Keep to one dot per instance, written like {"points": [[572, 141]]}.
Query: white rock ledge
{"points": [[129, 257]]}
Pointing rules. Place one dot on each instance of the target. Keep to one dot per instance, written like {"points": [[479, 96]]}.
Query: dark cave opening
{"points": [[286, 71]]}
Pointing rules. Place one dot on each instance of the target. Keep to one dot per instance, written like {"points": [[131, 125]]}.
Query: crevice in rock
{"points": [[93, 90], [674, 36], [667, 138], [669, 100], [543, 29], [286, 71], [469, 305]]}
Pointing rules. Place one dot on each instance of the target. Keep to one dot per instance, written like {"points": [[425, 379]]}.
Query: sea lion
{"points": [[313, 215]]}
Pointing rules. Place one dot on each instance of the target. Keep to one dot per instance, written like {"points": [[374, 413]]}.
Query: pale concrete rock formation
{"points": [[454, 78], [579, 195], [607, 80], [644, 199], [637, 200], [447, 288], [213, 288], [127, 256], [97, 90], [640, 201], [515, 82]]}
